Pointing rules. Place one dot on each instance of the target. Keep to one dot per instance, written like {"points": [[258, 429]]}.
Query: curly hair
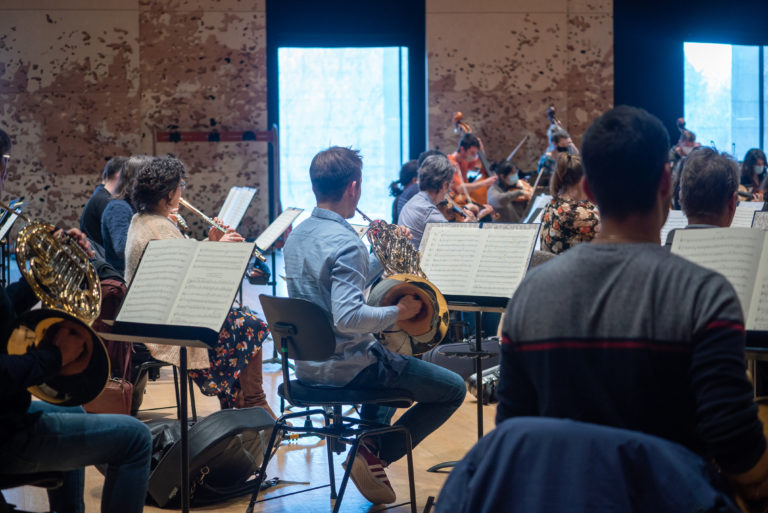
{"points": [[156, 181]]}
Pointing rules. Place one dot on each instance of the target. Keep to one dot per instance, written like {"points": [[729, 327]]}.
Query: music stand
{"points": [[487, 278], [236, 204]]}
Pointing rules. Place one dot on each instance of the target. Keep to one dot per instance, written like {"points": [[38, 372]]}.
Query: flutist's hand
{"points": [[230, 235], [408, 307]]}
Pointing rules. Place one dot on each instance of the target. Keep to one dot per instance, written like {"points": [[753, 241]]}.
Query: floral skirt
{"points": [[240, 340]]}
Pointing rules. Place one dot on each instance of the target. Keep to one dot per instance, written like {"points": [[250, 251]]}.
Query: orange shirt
{"points": [[479, 195]]}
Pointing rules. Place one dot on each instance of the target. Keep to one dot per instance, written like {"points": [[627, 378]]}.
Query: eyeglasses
{"points": [[183, 185]]}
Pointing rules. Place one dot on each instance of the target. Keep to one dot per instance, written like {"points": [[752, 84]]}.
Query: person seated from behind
{"points": [[36, 436], [569, 218], [405, 187], [90, 219], [327, 263], [509, 195], [709, 183], [118, 213], [434, 181], [637, 338], [753, 174]]}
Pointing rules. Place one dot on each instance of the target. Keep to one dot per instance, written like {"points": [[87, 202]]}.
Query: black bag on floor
{"points": [[226, 450], [463, 366]]}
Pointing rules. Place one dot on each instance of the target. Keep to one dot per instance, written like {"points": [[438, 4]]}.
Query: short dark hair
{"points": [[435, 172], [707, 182], [424, 154], [332, 170], [112, 167], [569, 172], [155, 181], [623, 150], [5, 143], [467, 141], [130, 171], [503, 168], [558, 134]]}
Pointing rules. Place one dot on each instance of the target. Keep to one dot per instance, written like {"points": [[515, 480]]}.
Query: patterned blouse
{"points": [[565, 223]]}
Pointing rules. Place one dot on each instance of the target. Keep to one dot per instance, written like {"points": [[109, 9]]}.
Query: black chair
{"points": [[303, 332], [49, 480]]}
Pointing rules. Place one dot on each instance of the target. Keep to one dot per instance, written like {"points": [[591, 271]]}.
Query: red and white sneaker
{"points": [[370, 478]]}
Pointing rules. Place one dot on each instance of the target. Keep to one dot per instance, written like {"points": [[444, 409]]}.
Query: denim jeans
{"points": [[68, 439], [437, 393]]}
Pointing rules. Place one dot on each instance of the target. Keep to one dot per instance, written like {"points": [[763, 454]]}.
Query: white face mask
{"points": [[686, 149], [512, 180], [759, 169]]}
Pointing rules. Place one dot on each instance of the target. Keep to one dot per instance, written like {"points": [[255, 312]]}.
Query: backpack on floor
{"points": [[226, 450]]}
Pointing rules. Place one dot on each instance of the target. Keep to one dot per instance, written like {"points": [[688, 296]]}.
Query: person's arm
{"points": [[115, 222], [516, 393], [18, 372], [351, 313]]}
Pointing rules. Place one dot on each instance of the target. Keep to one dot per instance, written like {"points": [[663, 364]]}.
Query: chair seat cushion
{"points": [[51, 479], [309, 395]]}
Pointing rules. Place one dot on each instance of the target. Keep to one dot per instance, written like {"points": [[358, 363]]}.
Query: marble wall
{"points": [[502, 63], [83, 80]]}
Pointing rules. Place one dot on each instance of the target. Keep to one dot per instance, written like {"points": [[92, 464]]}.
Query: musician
{"points": [[90, 219], [562, 143], [569, 218], [708, 190], [434, 181], [38, 437], [753, 173], [118, 213], [685, 145], [326, 263], [635, 338], [232, 370], [508, 196], [465, 158], [405, 187]]}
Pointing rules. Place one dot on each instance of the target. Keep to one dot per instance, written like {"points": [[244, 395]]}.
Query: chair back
{"points": [[302, 325]]}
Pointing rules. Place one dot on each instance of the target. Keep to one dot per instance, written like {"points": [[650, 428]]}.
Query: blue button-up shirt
{"points": [[328, 264]]}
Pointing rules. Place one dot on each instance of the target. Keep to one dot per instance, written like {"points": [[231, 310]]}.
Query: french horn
{"points": [[62, 277], [404, 276]]}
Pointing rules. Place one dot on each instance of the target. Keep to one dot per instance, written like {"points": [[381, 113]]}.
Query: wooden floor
{"points": [[299, 466]]}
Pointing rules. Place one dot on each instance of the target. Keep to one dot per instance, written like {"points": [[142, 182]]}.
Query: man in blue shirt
{"points": [[327, 263]]}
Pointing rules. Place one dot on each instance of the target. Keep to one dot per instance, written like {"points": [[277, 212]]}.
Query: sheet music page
{"points": [[494, 267], [760, 220], [237, 203], [757, 319], [5, 228], [210, 285], [157, 281], [733, 252], [538, 207], [745, 211], [675, 220], [276, 229]]}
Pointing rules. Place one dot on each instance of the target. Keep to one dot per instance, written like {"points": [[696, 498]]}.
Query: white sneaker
{"points": [[369, 477]]}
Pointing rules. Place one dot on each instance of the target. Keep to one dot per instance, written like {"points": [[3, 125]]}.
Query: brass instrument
{"points": [[404, 276], [60, 274], [213, 223]]}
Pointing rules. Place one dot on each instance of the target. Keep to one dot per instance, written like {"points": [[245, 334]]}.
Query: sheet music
{"points": [[733, 252], [538, 208], [675, 220], [745, 211], [236, 204], [760, 220], [6, 226], [157, 281], [211, 282], [757, 319], [278, 226], [495, 266]]}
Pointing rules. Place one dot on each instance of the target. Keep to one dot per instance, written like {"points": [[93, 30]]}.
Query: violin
{"points": [[450, 211]]}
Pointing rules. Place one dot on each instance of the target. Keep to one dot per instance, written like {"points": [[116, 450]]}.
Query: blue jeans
{"points": [[68, 439], [438, 393]]}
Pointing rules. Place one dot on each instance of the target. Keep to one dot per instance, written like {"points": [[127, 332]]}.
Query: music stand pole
{"points": [[183, 383], [275, 358]]}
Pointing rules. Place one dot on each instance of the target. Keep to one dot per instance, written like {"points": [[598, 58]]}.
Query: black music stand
{"points": [[478, 354]]}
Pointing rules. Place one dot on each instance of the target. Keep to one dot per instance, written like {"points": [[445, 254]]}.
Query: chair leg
{"points": [[409, 455], [192, 399], [345, 479], [330, 468], [176, 389], [263, 470]]}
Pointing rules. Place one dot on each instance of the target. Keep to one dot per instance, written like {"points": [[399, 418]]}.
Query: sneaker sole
{"points": [[368, 486]]}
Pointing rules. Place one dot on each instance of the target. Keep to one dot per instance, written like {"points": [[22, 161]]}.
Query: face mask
{"points": [[562, 149], [512, 180], [686, 149], [759, 169]]}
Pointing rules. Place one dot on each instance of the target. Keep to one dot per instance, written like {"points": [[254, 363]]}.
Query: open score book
{"points": [[739, 254], [182, 291]]}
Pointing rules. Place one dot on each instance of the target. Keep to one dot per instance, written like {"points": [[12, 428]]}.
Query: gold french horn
{"points": [[60, 274], [404, 276]]}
